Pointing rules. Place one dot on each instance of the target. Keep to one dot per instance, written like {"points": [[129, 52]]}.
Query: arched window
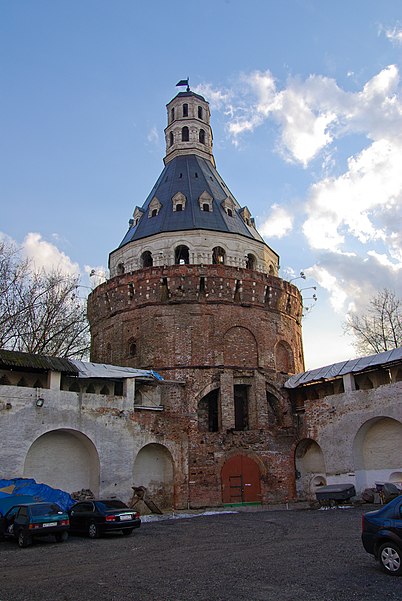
{"points": [[250, 261], [185, 136], [185, 110], [146, 259], [205, 207], [218, 255], [182, 255], [201, 136], [172, 114], [200, 112], [230, 212], [171, 138], [120, 268]]}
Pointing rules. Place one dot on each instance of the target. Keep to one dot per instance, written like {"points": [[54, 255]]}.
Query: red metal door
{"points": [[241, 480]]}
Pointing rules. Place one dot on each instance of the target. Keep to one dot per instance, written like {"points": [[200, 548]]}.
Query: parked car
{"points": [[29, 520], [382, 535], [96, 517]]}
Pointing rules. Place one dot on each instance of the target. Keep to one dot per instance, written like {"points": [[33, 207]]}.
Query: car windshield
{"points": [[45, 509], [113, 504]]}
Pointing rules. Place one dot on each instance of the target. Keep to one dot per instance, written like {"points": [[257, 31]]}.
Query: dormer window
{"points": [[185, 136], [179, 202], [138, 213], [229, 206], [154, 207], [200, 112], [201, 136], [246, 216], [185, 110], [205, 201]]}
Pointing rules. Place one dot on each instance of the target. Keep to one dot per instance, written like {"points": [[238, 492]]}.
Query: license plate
{"points": [[47, 524], [126, 516]]}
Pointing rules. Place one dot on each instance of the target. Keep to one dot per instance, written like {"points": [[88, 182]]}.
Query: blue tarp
{"points": [[8, 501], [39, 492]]}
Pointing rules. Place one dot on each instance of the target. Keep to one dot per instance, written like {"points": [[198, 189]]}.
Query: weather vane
{"points": [[184, 82]]}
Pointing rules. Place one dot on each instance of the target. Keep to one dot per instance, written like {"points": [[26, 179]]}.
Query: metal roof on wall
{"points": [[112, 372], [16, 359], [82, 369], [345, 367]]}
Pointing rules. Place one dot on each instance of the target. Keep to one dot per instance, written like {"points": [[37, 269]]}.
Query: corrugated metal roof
{"points": [[345, 367], [15, 359], [112, 372]]}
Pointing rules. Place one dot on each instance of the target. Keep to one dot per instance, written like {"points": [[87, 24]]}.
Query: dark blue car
{"points": [[382, 535]]}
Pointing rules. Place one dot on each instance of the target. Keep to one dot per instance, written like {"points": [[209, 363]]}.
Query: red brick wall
{"points": [[209, 327]]}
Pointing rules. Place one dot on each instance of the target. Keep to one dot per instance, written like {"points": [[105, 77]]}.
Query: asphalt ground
{"points": [[293, 555]]}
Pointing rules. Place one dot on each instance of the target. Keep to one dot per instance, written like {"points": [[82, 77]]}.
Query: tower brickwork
{"points": [[194, 294]]}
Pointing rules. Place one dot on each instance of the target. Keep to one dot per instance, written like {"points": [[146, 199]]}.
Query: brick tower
{"points": [[194, 294]]}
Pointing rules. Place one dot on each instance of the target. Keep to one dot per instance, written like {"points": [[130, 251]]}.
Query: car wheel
{"points": [[23, 539], [93, 530], [61, 537], [127, 532], [390, 557]]}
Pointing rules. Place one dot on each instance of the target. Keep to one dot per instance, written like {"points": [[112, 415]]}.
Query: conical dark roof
{"points": [[191, 175]]}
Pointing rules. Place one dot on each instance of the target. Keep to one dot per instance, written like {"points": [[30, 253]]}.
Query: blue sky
{"points": [[306, 109]]}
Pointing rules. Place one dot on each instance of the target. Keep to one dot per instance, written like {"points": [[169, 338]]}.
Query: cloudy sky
{"points": [[307, 117]]}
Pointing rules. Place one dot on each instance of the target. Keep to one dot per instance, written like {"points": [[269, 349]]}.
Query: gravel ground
{"points": [[255, 556]]}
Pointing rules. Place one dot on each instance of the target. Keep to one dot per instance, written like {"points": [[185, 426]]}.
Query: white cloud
{"points": [[278, 224], [153, 135], [217, 98], [47, 256], [394, 35]]}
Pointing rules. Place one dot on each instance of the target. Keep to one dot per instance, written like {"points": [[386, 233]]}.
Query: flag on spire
{"points": [[184, 82]]}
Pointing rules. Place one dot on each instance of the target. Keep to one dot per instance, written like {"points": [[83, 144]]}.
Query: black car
{"points": [[382, 535], [28, 520], [94, 518]]}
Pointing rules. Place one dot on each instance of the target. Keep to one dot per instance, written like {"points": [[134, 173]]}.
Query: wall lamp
{"points": [[301, 276], [308, 288], [39, 402]]}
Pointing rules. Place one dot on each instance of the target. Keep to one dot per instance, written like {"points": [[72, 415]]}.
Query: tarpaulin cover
{"points": [[8, 501], [39, 492]]}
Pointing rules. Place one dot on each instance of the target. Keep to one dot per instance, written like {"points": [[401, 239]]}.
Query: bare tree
{"points": [[40, 312], [380, 328]]}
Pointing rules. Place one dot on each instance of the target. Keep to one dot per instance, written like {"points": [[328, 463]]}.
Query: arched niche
{"points": [[65, 459], [153, 469], [377, 451], [284, 361], [310, 468], [240, 348]]}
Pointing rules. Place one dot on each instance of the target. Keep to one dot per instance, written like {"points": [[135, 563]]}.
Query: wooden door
{"points": [[241, 480]]}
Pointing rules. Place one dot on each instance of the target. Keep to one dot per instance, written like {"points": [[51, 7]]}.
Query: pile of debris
{"points": [[85, 494]]}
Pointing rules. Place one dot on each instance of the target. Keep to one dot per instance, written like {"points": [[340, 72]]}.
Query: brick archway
{"points": [[241, 480]]}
